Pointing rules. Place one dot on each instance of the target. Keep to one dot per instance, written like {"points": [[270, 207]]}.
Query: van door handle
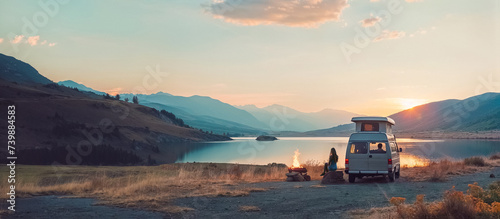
{"points": [[370, 156]]}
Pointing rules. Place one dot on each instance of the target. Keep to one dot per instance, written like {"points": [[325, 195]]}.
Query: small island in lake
{"points": [[266, 138]]}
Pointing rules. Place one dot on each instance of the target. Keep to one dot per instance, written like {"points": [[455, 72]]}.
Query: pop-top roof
{"points": [[373, 119]]}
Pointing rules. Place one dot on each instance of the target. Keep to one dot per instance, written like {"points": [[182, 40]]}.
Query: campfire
{"points": [[297, 172]]}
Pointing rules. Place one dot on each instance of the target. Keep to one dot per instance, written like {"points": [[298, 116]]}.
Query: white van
{"points": [[372, 150]]}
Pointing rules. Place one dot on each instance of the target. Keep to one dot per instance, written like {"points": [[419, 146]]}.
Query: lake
{"points": [[250, 151]]}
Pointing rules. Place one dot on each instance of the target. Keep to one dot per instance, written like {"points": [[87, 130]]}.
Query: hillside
{"points": [[56, 120], [20, 72], [474, 117], [477, 113], [201, 107], [81, 87]]}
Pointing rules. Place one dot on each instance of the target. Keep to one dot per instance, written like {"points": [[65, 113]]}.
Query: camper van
{"points": [[372, 150]]}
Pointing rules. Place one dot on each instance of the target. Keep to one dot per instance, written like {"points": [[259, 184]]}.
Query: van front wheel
{"points": [[352, 178]]}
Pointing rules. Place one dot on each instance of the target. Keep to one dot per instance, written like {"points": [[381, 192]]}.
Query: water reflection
{"points": [[250, 151]]}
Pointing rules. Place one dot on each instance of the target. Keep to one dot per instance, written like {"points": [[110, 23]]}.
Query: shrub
{"points": [[476, 203], [475, 161], [495, 156]]}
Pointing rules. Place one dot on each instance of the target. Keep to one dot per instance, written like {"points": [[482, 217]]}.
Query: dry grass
{"points": [[249, 208], [476, 203], [475, 161], [314, 169], [437, 171], [144, 187]]}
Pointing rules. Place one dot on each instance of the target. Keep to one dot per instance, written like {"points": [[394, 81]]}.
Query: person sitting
{"points": [[332, 162], [380, 150]]}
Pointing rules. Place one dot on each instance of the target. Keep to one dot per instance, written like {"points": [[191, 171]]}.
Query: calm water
{"points": [[250, 151]]}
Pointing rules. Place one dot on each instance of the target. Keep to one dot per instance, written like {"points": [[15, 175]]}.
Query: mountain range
{"points": [[54, 123], [211, 114], [478, 113]]}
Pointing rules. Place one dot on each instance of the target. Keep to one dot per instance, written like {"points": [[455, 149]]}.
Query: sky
{"points": [[373, 57]]}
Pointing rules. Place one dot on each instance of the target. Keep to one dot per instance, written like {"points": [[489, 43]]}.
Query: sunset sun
{"points": [[407, 103]]}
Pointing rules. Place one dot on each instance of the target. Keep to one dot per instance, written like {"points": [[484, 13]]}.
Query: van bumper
{"points": [[367, 172]]}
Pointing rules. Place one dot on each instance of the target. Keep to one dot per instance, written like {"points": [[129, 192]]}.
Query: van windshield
{"points": [[377, 147], [359, 148]]}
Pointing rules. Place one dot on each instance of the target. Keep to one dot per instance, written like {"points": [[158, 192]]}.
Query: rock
{"points": [[307, 177], [266, 138], [295, 176], [492, 175], [299, 178], [333, 177]]}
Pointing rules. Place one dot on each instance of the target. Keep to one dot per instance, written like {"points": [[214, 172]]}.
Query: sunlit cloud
{"points": [[1, 40], [297, 13], [389, 35], [33, 41], [17, 39], [368, 22]]}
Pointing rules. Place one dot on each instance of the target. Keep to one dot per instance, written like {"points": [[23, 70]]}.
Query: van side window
{"points": [[369, 127], [359, 148], [393, 147], [377, 147]]}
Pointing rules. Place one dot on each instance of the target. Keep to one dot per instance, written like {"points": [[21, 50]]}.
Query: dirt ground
{"points": [[283, 200], [309, 200]]}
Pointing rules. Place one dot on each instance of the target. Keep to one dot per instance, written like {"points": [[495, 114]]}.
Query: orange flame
{"points": [[296, 163]]}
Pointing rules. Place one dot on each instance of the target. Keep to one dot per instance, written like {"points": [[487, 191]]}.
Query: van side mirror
{"points": [[400, 149]]}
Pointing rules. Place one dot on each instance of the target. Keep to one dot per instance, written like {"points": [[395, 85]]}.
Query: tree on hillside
{"points": [[117, 97], [126, 99], [135, 100]]}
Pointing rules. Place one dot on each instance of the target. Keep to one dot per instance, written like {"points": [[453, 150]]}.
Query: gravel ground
{"points": [[283, 200], [52, 207]]}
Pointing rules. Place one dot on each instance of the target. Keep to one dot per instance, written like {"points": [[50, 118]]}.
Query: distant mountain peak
{"points": [[163, 93], [81, 87]]}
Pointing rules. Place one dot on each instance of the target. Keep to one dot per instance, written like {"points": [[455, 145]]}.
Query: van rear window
{"points": [[377, 147], [359, 148]]}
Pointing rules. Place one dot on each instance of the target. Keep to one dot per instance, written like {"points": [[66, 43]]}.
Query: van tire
{"points": [[391, 176], [352, 178], [397, 174]]}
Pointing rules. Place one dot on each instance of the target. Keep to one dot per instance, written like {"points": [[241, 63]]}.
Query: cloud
{"points": [[389, 35], [17, 39], [1, 40], [33, 41], [368, 22], [294, 13], [52, 44], [43, 42]]}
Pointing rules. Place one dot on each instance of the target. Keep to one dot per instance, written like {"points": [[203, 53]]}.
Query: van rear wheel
{"points": [[391, 176], [397, 174], [352, 178]]}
